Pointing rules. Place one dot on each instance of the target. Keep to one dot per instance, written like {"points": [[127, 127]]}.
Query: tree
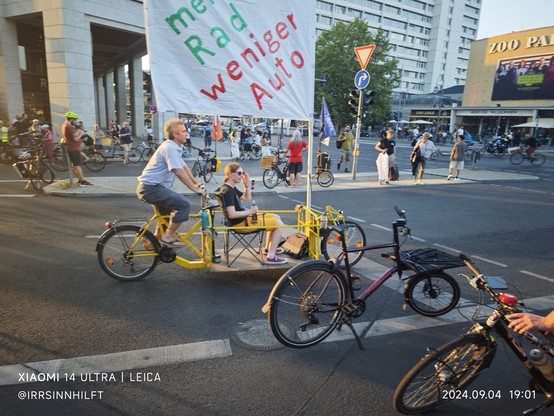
{"points": [[337, 62]]}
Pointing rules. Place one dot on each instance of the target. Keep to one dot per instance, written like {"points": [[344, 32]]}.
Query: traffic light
{"points": [[354, 102], [395, 116], [368, 99]]}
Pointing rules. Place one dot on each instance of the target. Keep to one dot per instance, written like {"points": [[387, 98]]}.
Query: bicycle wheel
{"points": [[306, 304], [331, 245], [147, 153], [196, 169], [134, 155], [325, 178], [499, 151], [432, 294], [34, 175], [516, 158], [271, 177], [447, 369], [207, 174], [46, 173], [96, 162], [59, 161], [537, 159], [121, 263], [256, 152], [468, 155]]}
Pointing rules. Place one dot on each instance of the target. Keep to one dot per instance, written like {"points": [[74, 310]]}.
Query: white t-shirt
{"points": [[158, 171]]}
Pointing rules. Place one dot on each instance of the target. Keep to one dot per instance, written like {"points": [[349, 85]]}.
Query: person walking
{"points": [[425, 147], [295, 148], [156, 182], [457, 158], [48, 142], [233, 200], [346, 138], [126, 141], [73, 142]]}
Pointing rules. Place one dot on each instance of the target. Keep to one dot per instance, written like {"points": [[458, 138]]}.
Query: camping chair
{"points": [[250, 240]]}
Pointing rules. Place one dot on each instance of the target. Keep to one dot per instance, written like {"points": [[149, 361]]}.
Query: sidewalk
{"points": [[126, 185]]}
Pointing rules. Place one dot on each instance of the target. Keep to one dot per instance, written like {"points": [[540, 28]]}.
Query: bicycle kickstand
{"points": [[348, 322]]}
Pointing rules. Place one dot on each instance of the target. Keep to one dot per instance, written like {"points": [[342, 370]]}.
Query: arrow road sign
{"points": [[362, 78]]}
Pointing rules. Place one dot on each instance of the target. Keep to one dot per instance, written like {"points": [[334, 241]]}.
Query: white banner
{"points": [[239, 57]]}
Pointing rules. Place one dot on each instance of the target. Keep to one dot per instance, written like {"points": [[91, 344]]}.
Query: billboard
{"points": [[524, 78]]}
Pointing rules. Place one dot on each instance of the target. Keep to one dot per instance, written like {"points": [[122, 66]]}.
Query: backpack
{"points": [[296, 246], [339, 144]]}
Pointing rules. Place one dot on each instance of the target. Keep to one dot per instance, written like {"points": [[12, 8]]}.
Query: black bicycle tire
{"points": [[208, 174], [443, 357], [134, 155], [354, 258], [59, 160], [34, 176], [195, 169], [283, 326], [46, 173], [330, 178], [499, 151], [516, 158], [96, 162], [147, 154], [269, 183], [538, 160], [433, 293], [257, 152], [104, 241]]}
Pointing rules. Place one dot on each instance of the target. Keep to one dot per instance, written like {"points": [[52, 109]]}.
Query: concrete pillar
{"points": [[101, 102], [11, 93], [109, 97], [137, 96], [68, 45], [120, 94]]}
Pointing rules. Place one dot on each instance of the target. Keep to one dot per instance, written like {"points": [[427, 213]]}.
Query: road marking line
{"points": [[16, 196], [297, 201], [537, 192], [448, 248], [119, 361], [538, 276], [489, 261], [418, 239], [381, 227], [514, 188], [357, 219], [282, 196]]}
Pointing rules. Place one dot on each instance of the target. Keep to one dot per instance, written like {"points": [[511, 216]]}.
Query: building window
{"points": [[354, 13], [340, 9], [323, 5]]}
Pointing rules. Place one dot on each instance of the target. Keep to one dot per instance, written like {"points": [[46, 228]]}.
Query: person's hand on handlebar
{"points": [[201, 190], [522, 322]]}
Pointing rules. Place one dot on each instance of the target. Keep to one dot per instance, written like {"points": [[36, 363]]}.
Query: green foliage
{"points": [[337, 61]]}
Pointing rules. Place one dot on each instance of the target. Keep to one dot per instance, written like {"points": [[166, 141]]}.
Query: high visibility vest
{"points": [[5, 137]]}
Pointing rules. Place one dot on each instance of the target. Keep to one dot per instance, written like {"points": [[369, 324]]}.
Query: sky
{"points": [[504, 16]]}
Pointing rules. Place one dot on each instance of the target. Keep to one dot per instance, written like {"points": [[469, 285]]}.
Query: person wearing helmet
{"points": [[73, 143]]}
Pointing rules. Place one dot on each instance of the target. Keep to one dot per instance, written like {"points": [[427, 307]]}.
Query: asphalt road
{"points": [[57, 304]]}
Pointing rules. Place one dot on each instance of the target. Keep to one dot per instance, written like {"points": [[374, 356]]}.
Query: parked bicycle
{"points": [[446, 372], [31, 166], [279, 172], [517, 157], [147, 149], [314, 298], [204, 166], [323, 174], [496, 147]]}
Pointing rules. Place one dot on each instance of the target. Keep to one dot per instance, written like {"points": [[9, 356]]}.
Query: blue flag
{"points": [[327, 123]]}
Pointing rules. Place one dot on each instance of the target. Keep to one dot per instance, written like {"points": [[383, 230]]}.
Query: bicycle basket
{"points": [[266, 162], [424, 260]]}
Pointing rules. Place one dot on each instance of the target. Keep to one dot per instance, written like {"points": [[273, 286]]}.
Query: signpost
{"points": [[361, 81]]}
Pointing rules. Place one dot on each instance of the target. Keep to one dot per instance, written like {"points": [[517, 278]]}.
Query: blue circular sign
{"points": [[362, 78]]}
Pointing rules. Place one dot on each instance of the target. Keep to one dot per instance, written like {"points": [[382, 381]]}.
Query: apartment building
{"points": [[430, 38]]}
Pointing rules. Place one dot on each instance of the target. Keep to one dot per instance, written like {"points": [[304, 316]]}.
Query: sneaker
{"points": [[381, 182], [420, 182], [346, 170], [449, 177], [279, 250], [84, 183], [457, 179], [338, 166], [387, 183], [275, 260]]}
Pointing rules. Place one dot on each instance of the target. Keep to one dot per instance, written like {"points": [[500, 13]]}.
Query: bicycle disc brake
{"points": [[167, 254]]}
